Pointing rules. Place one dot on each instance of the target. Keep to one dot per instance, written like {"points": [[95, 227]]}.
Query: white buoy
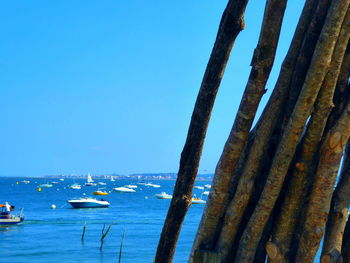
{"points": [[53, 206]]}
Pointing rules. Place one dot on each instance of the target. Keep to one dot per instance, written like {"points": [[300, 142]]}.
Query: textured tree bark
{"points": [[338, 214], [316, 74], [320, 197], [231, 24], [262, 62], [289, 214], [261, 66]]}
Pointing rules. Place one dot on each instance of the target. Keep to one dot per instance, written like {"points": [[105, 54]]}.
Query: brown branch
{"points": [[295, 195], [317, 71], [262, 62], [231, 24]]}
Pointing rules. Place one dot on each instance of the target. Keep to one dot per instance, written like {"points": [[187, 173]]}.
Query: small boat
{"points": [[25, 181], [124, 190], [75, 186], [100, 192], [101, 183], [163, 195], [205, 193], [207, 186], [6, 218], [87, 202], [131, 186], [152, 185], [112, 179], [90, 182], [61, 179], [196, 200], [199, 187], [45, 185]]}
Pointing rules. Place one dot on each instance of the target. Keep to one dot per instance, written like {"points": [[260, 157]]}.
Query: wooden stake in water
{"points": [[121, 247], [82, 236], [104, 234]]}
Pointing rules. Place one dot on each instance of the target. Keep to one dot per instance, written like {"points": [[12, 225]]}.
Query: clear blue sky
{"points": [[109, 86]]}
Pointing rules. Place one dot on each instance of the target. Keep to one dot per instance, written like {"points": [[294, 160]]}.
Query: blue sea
{"points": [[54, 235]]}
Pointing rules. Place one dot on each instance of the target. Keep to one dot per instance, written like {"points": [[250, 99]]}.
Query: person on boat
{"points": [[7, 207]]}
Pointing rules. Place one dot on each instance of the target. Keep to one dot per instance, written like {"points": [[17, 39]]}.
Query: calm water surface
{"points": [[49, 235]]}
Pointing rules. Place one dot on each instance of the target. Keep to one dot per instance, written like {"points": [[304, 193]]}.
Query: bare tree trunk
{"points": [[316, 74], [261, 66], [320, 197], [230, 26], [338, 214], [297, 189]]}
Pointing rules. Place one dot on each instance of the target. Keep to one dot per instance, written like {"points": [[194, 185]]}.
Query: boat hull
{"points": [[11, 221], [87, 204]]}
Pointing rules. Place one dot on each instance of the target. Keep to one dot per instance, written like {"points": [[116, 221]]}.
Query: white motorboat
{"points": [[205, 193], [152, 185], [199, 187], [101, 183], [163, 195], [25, 181], [75, 186], [88, 203], [207, 186], [124, 190], [45, 185]]}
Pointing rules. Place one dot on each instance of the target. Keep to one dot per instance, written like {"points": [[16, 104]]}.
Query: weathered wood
{"points": [[320, 196], [345, 249], [205, 256], [316, 74], [338, 214], [262, 62], [295, 195], [231, 24], [333, 256]]}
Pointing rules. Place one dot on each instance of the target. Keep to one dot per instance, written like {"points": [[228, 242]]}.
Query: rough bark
{"points": [[230, 26], [289, 214], [320, 197], [316, 74], [338, 214], [262, 62], [269, 116]]}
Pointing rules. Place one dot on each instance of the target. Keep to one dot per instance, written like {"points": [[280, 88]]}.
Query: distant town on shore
{"points": [[143, 176]]}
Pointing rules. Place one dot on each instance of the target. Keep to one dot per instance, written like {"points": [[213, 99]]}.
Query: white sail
{"points": [[89, 179]]}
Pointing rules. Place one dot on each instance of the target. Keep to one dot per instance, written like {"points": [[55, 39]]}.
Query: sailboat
{"points": [[90, 182], [112, 179]]}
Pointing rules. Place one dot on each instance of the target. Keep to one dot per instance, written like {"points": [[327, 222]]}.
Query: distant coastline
{"points": [[141, 176]]}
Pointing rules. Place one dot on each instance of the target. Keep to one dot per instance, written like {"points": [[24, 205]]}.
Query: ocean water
{"points": [[54, 235]]}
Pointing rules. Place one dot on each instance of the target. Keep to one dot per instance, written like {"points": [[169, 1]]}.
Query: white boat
{"points": [[90, 182], [152, 185], [101, 183], [112, 179], [61, 179], [7, 219], [198, 201], [205, 193], [45, 185], [75, 186], [199, 187], [163, 195], [88, 203], [207, 186], [25, 181], [131, 186], [124, 190]]}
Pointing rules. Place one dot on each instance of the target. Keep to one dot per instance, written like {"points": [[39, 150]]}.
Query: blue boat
{"points": [[88, 203]]}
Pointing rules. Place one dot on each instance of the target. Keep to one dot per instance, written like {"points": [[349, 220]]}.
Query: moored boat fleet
{"points": [[7, 218]]}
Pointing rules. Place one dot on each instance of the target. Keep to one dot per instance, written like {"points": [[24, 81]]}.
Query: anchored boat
{"points": [[88, 203], [6, 218], [164, 195]]}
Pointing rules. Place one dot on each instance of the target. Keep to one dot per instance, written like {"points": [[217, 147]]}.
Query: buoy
{"points": [[17, 182], [39, 189], [53, 206]]}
